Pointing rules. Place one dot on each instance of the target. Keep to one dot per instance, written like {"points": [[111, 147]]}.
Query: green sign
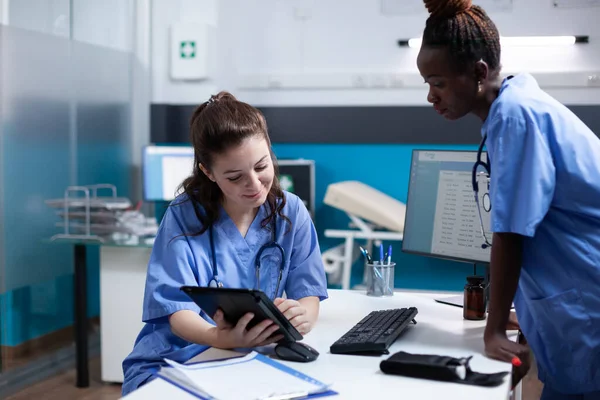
{"points": [[187, 49], [286, 182]]}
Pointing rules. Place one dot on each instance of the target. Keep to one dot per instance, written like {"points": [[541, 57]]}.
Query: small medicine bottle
{"points": [[474, 303]]}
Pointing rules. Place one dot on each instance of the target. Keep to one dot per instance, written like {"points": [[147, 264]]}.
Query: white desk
{"points": [[440, 329], [122, 281]]}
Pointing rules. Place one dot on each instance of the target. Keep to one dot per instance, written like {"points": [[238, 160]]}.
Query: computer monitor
{"points": [[441, 214], [164, 168], [298, 176]]}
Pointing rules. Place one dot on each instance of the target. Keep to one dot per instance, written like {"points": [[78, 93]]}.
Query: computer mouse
{"points": [[296, 351]]}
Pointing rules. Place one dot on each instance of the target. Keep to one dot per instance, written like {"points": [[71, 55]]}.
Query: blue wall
{"points": [[386, 168]]}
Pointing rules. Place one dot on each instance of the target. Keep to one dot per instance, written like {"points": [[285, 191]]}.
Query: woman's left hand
{"points": [[295, 313]]}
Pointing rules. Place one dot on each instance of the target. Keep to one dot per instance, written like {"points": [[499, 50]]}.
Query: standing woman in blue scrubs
{"points": [[545, 198], [234, 196]]}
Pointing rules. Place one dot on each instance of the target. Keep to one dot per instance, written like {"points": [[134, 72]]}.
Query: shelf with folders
{"points": [[87, 216]]}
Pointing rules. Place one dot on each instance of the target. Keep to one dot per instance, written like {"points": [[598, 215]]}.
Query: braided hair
{"points": [[465, 29]]}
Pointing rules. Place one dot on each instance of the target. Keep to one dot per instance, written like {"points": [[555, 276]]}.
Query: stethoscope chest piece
{"points": [[215, 283]]}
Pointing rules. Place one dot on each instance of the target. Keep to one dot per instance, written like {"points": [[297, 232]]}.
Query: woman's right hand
{"points": [[499, 347], [227, 336]]}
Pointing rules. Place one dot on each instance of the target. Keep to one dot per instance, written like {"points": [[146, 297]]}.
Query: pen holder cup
{"points": [[380, 279]]}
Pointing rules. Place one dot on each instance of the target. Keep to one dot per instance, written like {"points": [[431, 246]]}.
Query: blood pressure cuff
{"points": [[438, 368]]}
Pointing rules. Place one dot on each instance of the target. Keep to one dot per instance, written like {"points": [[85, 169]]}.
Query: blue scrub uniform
{"points": [[545, 185], [186, 260]]}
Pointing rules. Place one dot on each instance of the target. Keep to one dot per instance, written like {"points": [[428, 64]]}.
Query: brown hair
{"points": [[216, 126], [465, 29]]}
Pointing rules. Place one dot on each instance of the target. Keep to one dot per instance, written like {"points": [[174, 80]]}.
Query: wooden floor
{"points": [[532, 387], [63, 387]]}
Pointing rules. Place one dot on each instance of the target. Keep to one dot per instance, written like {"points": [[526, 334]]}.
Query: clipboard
{"points": [[236, 302], [257, 376]]}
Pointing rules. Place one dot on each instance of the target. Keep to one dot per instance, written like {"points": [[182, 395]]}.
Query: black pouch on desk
{"points": [[438, 368]]}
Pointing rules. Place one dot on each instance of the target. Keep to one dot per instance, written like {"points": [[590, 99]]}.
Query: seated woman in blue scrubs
{"points": [[545, 199], [234, 196]]}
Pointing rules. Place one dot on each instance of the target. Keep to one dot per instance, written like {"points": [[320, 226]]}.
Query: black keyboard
{"points": [[376, 332]]}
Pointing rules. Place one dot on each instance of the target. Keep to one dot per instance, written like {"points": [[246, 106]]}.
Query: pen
{"points": [[366, 254], [389, 254], [288, 396], [381, 253], [363, 251]]}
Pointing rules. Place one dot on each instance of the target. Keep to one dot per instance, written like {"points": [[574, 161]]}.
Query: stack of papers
{"points": [[253, 376]]}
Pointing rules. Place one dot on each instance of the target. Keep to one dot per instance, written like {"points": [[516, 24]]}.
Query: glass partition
{"points": [[65, 114]]}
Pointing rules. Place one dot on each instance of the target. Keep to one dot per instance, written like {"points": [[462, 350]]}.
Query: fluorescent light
{"points": [[415, 43], [519, 41]]}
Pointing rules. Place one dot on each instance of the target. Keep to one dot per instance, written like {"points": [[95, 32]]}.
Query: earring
{"points": [[479, 86]]}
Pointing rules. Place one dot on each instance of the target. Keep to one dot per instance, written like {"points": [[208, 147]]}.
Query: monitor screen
{"points": [[298, 176], [441, 214], [164, 169]]}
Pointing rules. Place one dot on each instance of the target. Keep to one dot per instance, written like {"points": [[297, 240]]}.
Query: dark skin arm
{"points": [[513, 323], [505, 269]]}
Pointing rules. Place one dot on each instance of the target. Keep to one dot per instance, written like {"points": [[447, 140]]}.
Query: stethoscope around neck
{"points": [[487, 204], [215, 282]]}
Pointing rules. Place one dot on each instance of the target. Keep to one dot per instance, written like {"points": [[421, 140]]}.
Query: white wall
{"points": [[165, 13], [311, 45], [141, 89]]}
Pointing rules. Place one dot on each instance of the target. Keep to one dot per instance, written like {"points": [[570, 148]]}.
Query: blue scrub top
{"points": [[545, 185], [186, 260]]}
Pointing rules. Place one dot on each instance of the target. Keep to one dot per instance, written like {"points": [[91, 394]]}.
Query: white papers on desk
{"points": [[253, 376]]}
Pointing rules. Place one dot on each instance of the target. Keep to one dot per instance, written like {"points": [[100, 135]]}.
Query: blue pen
{"points": [[366, 254], [369, 260], [389, 257], [381, 253]]}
